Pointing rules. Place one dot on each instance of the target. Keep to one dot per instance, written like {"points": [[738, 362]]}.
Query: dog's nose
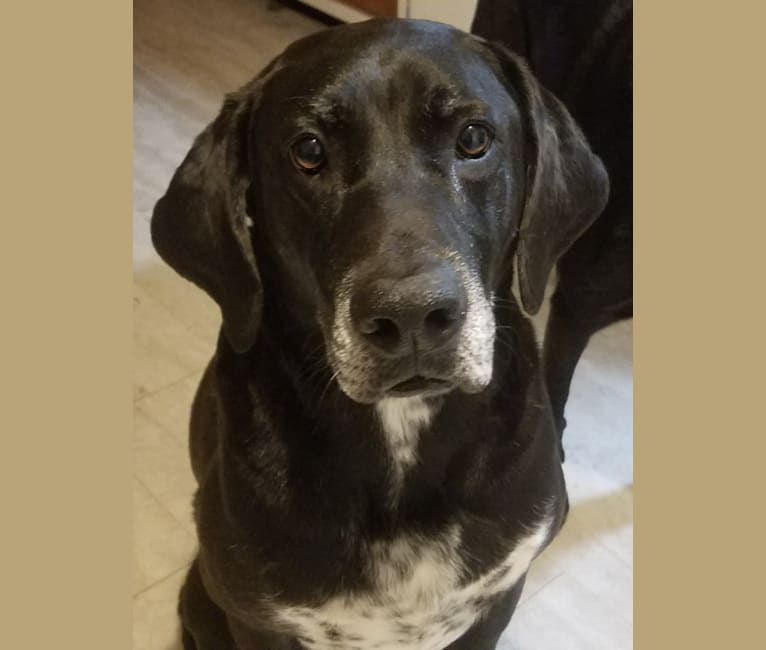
{"points": [[422, 312]]}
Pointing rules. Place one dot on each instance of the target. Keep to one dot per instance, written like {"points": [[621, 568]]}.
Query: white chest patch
{"points": [[402, 419], [418, 601]]}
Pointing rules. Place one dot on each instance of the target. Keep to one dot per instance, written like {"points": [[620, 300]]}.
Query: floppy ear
{"points": [[567, 185], [199, 227]]}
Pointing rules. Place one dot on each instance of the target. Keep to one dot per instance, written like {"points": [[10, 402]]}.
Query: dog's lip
{"points": [[418, 384]]}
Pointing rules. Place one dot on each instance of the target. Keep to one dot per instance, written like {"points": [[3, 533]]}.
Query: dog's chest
{"points": [[419, 599]]}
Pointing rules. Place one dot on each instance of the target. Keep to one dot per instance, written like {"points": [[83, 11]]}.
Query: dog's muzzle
{"points": [[420, 334], [407, 322]]}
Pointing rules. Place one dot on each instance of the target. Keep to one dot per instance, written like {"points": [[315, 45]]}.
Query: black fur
{"points": [[293, 474]]}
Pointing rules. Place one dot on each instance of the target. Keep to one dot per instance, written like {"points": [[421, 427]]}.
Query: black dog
{"points": [[582, 52], [374, 446]]}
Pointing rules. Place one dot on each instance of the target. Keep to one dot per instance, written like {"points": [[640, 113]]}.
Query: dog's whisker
{"points": [[327, 386], [314, 368]]}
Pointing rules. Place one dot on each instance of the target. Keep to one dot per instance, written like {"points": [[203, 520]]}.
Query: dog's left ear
{"points": [[566, 186], [199, 227]]}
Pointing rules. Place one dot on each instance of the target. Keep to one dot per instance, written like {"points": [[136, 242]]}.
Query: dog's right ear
{"points": [[199, 227], [567, 184]]}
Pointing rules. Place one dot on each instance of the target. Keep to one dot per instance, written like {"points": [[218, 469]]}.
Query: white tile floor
{"points": [[579, 593]]}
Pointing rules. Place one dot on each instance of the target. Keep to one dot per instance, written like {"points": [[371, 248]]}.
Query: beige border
{"points": [[699, 136], [66, 325]]}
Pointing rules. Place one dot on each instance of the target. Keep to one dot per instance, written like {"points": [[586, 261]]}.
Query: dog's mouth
{"points": [[419, 385]]}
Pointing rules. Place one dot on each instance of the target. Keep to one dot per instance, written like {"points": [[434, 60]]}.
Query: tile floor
{"points": [[186, 55]]}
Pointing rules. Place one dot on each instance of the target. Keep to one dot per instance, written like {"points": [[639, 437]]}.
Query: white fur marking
{"points": [[402, 419], [417, 602], [476, 348]]}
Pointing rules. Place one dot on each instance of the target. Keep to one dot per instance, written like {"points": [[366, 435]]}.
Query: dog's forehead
{"points": [[418, 62]]}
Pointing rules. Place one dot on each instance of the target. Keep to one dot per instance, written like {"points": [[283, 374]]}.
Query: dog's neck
{"points": [[400, 449], [401, 421]]}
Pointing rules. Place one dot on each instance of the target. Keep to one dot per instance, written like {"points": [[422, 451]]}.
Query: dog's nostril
{"points": [[440, 320], [383, 330], [369, 326]]}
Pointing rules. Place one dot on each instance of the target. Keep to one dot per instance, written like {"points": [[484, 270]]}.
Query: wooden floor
{"points": [[186, 56]]}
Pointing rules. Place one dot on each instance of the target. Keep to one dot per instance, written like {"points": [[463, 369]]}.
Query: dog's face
{"points": [[389, 171], [385, 169]]}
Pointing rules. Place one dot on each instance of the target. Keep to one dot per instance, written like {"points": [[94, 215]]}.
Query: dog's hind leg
{"points": [[594, 290], [565, 341], [204, 624]]}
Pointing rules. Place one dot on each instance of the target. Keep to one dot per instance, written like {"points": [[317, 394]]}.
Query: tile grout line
{"points": [[175, 382], [608, 549], [156, 499], [148, 414], [628, 565], [539, 589], [167, 511], [174, 572], [183, 525], [169, 311], [137, 478]]}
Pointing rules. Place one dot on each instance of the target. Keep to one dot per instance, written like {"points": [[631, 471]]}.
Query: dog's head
{"points": [[375, 180]]}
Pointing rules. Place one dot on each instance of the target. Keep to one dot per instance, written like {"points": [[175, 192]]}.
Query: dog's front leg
{"points": [[485, 634]]}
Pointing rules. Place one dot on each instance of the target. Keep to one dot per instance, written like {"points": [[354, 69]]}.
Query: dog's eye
{"points": [[474, 141], [307, 154]]}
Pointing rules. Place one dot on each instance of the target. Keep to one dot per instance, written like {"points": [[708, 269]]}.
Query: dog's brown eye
{"points": [[307, 154], [474, 140]]}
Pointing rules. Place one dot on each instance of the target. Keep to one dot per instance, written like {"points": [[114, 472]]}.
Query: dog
{"points": [[376, 458], [583, 53]]}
